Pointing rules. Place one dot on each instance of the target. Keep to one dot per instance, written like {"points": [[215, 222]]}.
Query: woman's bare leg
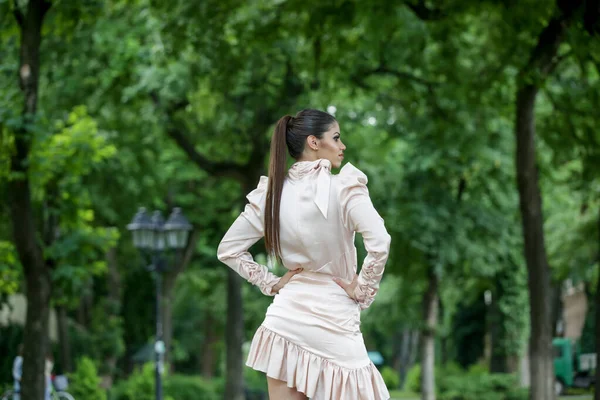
{"points": [[278, 390]]}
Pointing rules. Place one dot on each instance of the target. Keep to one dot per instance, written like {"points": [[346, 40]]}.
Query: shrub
{"points": [[413, 379], [390, 377], [478, 369], [184, 387], [84, 383], [481, 386], [139, 386], [256, 384], [453, 383]]}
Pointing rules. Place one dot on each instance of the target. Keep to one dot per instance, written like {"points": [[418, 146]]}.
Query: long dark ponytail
{"points": [[277, 165], [290, 135]]}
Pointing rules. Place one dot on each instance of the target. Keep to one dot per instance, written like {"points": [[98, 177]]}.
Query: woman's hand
{"points": [[285, 279], [348, 286]]}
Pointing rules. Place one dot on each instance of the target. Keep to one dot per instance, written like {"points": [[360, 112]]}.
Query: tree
{"points": [[542, 61], [25, 232]]}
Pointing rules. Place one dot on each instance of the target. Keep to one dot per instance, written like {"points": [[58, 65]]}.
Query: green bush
{"points": [[481, 386], [478, 369], [139, 386], [413, 376], [453, 383], [413, 379], [183, 387], [255, 381], [84, 383], [390, 377]]}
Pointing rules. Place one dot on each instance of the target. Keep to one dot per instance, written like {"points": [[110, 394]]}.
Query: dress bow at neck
{"points": [[321, 169]]}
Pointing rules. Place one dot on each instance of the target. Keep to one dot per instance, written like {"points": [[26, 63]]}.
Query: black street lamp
{"points": [[153, 237]]}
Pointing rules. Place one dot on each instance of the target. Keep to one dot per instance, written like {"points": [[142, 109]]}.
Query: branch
{"points": [[317, 50], [188, 252], [211, 167], [383, 70], [543, 58], [18, 14], [424, 13], [358, 79], [44, 7]]}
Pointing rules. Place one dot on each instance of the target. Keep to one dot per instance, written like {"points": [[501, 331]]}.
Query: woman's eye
{"points": [[336, 138]]}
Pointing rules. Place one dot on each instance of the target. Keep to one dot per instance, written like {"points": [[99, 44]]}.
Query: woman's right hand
{"points": [[348, 287], [285, 279]]}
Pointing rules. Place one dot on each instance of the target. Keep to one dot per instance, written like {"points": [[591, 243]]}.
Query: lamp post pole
{"points": [[152, 235]]}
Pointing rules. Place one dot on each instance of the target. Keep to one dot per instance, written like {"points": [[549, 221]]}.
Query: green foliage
{"points": [[84, 383], [454, 383], [426, 112], [103, 339], [413, 379], [390, 377], [139, 385], [10, 268], [11, 337], [479, 386], [184, 387]]}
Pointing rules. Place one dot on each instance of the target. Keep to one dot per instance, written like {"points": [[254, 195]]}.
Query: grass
{"points": [[399, 395]]}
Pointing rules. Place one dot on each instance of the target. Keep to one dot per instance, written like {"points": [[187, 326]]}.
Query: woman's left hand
{"points": [[349, 287], [285, 279]]}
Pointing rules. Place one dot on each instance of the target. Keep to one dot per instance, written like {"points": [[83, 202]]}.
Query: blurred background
{"points": [[475, 120]]}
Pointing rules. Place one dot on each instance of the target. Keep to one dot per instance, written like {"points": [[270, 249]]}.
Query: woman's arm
{"points": [[233, 251], [247, 229], [359, 215]]}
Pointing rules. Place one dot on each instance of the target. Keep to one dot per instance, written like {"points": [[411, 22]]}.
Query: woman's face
{"points": [[330, 146]]}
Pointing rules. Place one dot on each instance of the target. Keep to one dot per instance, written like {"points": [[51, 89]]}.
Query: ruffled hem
{"points": [[316, 377]]}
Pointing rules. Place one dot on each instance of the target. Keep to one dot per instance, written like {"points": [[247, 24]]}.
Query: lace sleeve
{"points": [[359, 215]]}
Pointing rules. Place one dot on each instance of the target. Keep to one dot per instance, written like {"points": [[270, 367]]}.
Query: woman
{"points": [[310, 344], [18, 372], [48, 375]]}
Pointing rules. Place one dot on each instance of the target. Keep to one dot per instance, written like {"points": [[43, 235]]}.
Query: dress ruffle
{"points": [[310, 374]]}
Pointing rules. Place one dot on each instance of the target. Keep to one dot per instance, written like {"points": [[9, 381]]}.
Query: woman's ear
{"points": [[313, 142]]}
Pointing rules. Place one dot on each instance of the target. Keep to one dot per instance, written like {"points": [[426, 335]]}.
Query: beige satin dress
{"points": [[311, 336]]}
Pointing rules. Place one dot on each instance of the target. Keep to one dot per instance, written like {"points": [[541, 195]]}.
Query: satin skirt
{"points": [[311, 339]]}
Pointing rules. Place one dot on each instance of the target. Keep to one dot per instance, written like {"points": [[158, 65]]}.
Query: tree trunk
{"points": [[540, 293], [495, 327], [234, 338], [169, 281], [113, 306], [541, 62], [414, 347], [558, 326], [496, 320], [37, 275], [408, 353], [401, 355], [208, 348], [167, 315], [597, 393], [65, 342], [430, 311]]}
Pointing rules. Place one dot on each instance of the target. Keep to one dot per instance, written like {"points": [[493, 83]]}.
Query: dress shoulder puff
{"points": [[351, 176], [256, 198], [352, 187], [254, 211]]}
